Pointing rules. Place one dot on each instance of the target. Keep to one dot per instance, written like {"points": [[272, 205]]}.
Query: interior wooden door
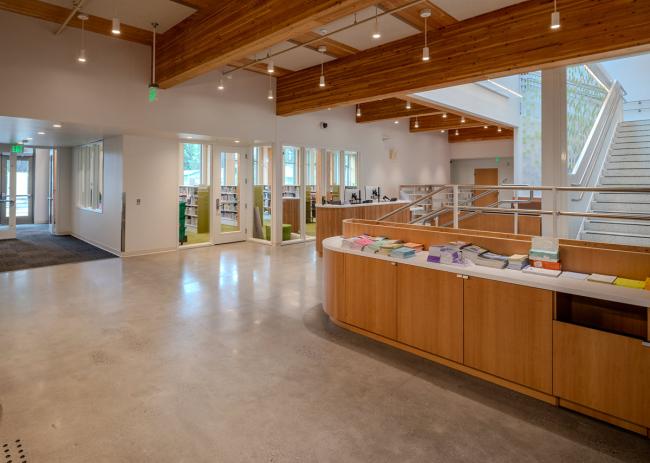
{"points": [[430, 311], [508, 331], [488, 176], [370, 295]]}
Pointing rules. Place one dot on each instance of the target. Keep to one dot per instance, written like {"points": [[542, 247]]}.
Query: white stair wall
{"points": [[627, 164]]}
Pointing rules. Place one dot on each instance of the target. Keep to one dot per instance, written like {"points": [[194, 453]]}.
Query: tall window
{"points": [[192, 164], [290, 158], [90, 172], [351, 168]]}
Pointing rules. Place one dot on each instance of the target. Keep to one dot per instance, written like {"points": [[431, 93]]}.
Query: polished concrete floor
{"points": [[223, 354]]}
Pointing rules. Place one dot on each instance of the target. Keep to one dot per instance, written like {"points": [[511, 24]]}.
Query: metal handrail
{"points": [[417, 201], [447, 208]]}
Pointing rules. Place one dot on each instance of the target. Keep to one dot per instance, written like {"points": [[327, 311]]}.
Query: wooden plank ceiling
{"points": [[439, 122], [480, 134], [236, 29], [504, 42], [393, 108]]}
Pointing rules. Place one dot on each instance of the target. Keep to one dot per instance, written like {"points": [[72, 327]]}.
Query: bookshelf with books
{"points": [[190, 196], [229, 205]]}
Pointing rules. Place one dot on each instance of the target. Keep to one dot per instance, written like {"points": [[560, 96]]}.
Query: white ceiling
{"points": [[464, 9], [139, 13], [15, 129], [296, 59], [632, 72]]}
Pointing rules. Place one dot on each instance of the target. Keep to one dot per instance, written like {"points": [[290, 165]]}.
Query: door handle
{"points": [[216, 203]]}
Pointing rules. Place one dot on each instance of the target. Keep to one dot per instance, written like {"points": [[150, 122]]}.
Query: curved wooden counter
{"points": [[524, 332]]}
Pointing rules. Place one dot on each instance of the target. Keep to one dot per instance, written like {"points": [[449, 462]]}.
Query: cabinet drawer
{"points": [[603, 371]]}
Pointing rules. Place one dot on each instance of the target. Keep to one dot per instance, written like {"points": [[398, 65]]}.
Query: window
{"points": [[290, 159], [351, 168], [90, 171], [192, 164]]}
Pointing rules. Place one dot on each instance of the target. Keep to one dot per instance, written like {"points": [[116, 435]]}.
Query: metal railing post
{"points": [[455, 193], [554, 193], [515, 198]]}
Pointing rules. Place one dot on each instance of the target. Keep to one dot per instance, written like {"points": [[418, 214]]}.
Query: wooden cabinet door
{"points": [[603, 371], [508, 331], [370, 293], [430, 311]]}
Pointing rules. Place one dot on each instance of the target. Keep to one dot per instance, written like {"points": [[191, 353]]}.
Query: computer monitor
{"points": [[373, 193], [352, 195]]}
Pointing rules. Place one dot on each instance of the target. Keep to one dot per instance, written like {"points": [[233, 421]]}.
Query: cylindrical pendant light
{"points": [[115, 29], [408, 105], [82, 52], [444, 115], [153, 86], [456, 132], [499, 129], [425, 13], [417, 123], [358, 110], [376, 34], [462, 120], [220, 85], [270, 93], [321, 82], [555, 17]]}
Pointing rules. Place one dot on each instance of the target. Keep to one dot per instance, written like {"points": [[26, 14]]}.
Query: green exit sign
{"points": [[17, 149]]}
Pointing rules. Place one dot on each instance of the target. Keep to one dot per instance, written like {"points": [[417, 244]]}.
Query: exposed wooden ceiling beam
{"points": [[480, 134], [439, 122], [504, 42], [259, 68], [58, 14], [334, 48], [392, 108], [239, 28], [411, 16]]}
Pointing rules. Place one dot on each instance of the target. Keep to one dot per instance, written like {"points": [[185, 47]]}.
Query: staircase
{"points": [[627, 164]]}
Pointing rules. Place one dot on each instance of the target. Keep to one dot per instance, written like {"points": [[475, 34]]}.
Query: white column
{"points": [[276, 195], [554, 146]]}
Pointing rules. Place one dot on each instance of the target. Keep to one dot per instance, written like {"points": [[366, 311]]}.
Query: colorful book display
{"points": [[445, 254]]}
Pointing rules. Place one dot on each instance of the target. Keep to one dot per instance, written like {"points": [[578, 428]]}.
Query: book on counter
{"points": [[445, 254], [629, 283], [574, 275], [542, 271], [402, 252], [517, 261], [357, 243], [415, 246], [598, 278], [471, 252], [387, 246], [372, 248], [490, 259], [548, 265]]}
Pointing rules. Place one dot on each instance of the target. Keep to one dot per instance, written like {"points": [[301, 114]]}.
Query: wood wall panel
{"points": [[333, 283], [480, 134], [438, 122], [392, 108], [291, 213], [504, 42]]}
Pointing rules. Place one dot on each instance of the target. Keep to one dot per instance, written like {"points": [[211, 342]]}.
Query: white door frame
{"points": [[243, 169], [9, 231]]}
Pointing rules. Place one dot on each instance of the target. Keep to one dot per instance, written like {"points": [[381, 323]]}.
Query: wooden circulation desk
{"points": [[329, 217], [572, 343]]}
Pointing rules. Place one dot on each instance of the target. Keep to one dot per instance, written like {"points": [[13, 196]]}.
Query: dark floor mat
{"points": [[36, 247]]}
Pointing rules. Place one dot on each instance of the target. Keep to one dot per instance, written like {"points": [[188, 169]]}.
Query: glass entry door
{"points": [[8, 195], [229, 174]]}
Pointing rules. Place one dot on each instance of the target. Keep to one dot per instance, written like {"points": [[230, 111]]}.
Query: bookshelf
{"points": [[229, 205], [190, 196], [414, 192]]}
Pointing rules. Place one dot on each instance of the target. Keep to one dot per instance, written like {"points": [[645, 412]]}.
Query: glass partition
{"points": [[291, 193], [333, 175], [194, 195], [311, 191]]}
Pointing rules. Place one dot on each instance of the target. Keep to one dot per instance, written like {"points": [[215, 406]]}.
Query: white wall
{"points": [[102, 229], [151, 175], [462, 170], [420, 158], [41, 185], [482, 149]]}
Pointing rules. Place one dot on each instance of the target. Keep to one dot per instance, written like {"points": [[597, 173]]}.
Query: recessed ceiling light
{"points": [[485, 126], [57, 126], [190, 137], [444, 115], [442, 131], [41, 133], [236, 141], [396, 122]]}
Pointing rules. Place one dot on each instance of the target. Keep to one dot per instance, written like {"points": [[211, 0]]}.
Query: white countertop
{"points": [[639, 297], [334, 206]]}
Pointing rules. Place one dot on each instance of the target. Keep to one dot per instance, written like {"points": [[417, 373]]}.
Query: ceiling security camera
{"points": [[323, 125]]}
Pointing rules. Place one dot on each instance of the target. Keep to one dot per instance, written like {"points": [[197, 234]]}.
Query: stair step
{"points": [[640, 123], [627, 138], [627, 227], [628, 165], [631, 145], [627, 181], [622, 198], [627, 173], [615, 238], [633, 129], [629, 152], [622, 208], [614, 156]]}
